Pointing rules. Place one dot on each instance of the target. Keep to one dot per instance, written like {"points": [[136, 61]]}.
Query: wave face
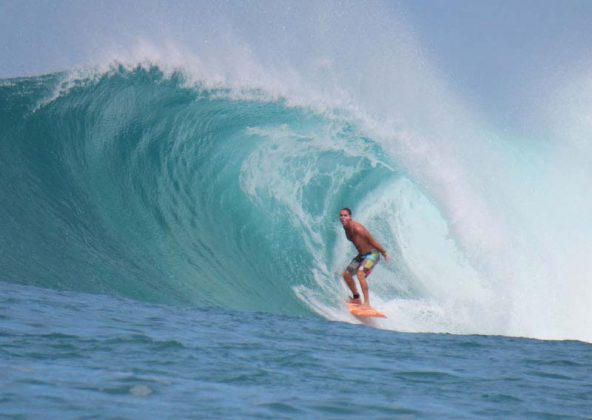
{"points": [[137, 183], [131, 183]]}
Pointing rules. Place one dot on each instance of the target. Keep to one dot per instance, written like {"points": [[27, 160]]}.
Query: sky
{"points": [[500, 55], [507, 53]]}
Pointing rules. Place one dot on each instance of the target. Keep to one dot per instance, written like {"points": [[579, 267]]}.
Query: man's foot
{"points": [[365, 306], [355, 300]]}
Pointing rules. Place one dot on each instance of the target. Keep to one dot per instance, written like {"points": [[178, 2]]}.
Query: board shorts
{"points": [[364, 262]]}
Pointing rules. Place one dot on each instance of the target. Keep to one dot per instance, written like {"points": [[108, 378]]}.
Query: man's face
{"points": [[344, 217]]}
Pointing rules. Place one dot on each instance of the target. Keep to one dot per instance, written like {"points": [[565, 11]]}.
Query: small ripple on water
{"points": [[427, 376], [281, 407], [140, 391]]}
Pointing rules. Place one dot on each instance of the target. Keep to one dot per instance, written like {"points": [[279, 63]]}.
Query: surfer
{"points": [[363, 263]]}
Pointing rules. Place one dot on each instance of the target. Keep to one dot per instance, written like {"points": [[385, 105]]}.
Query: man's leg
{"points": [[364, 286], [349, 280]]}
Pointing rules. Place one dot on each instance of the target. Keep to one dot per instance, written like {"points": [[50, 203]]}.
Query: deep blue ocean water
{"points": [[171, 249], [79, 355]]}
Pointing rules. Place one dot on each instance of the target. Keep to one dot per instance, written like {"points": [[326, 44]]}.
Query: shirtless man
{"points": [[368, 255]]}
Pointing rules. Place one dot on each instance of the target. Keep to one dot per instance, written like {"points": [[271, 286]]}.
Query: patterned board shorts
{"points": [[365, 262]]}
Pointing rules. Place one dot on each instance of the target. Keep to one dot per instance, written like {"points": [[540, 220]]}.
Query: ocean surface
{"points": [[171, 248], [80, 355]]}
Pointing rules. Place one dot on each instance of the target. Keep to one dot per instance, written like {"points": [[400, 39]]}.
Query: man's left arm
{"points": [[375, 244], [380, 249]]}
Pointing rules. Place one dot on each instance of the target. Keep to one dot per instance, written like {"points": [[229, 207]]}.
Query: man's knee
{"points": [[348, 276]]}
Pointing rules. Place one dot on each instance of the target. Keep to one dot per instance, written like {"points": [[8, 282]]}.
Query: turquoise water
{"points": [[71, 355], [132, 184], [172, 248]]}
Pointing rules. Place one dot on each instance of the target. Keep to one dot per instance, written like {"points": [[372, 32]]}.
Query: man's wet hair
{"points": [[347, 210]]}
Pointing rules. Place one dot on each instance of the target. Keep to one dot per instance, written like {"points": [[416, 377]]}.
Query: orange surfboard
{"points": [[356, 310]]}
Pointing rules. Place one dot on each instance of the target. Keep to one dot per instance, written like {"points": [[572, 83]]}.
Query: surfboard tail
{"points": [[364, 312]]}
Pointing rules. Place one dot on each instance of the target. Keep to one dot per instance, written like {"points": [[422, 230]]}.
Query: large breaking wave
{"points": [[147, 184]]}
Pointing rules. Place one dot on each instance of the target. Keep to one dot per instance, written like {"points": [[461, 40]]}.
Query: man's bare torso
{"points": [[359, 236]]}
